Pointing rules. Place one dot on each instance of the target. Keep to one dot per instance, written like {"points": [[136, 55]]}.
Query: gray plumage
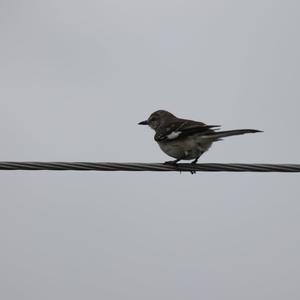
{"points": [[186, 139]]}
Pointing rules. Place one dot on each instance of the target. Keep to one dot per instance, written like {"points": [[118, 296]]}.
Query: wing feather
{"points": [[183, 128]]}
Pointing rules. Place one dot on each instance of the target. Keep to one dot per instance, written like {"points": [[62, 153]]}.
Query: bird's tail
{"points": [[221, 134]]}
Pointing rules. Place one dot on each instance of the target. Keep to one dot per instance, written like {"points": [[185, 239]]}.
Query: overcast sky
{"points": [[75, 79]]}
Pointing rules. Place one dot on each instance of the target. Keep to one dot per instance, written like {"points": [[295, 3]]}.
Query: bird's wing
{"points": [[182, 129]]}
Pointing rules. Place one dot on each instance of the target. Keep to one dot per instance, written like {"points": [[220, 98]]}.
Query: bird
{"points": [[185, 139]]}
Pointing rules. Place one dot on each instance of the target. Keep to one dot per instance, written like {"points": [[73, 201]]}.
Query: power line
{"points": [[113, 166]]}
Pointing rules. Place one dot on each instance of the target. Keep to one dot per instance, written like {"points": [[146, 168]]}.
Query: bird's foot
{"points": [[174, 163], [193, 163]]}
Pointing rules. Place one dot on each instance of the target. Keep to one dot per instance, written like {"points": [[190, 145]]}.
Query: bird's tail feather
{"points": [[219, 135]]}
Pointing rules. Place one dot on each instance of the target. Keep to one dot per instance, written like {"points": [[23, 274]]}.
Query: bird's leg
{"points": [[195, 160], [193, 163], [172, 162]]}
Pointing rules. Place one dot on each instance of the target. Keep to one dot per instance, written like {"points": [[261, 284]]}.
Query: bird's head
{"points": [[157, 119]]}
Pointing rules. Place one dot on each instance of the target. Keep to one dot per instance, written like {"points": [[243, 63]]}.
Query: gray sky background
{"points": [[76, 77]]}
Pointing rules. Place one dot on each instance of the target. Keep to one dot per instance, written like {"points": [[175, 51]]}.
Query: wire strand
{"points": [[113, 166]]}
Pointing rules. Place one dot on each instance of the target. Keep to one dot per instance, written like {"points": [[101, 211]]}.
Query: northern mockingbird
{"points": [[185, 139]]}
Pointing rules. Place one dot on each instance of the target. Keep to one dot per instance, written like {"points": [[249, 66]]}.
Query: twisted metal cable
{"points": [[112, 166]]}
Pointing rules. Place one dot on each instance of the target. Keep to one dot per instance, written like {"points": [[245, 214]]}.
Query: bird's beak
{"points": [[143, 122]]}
